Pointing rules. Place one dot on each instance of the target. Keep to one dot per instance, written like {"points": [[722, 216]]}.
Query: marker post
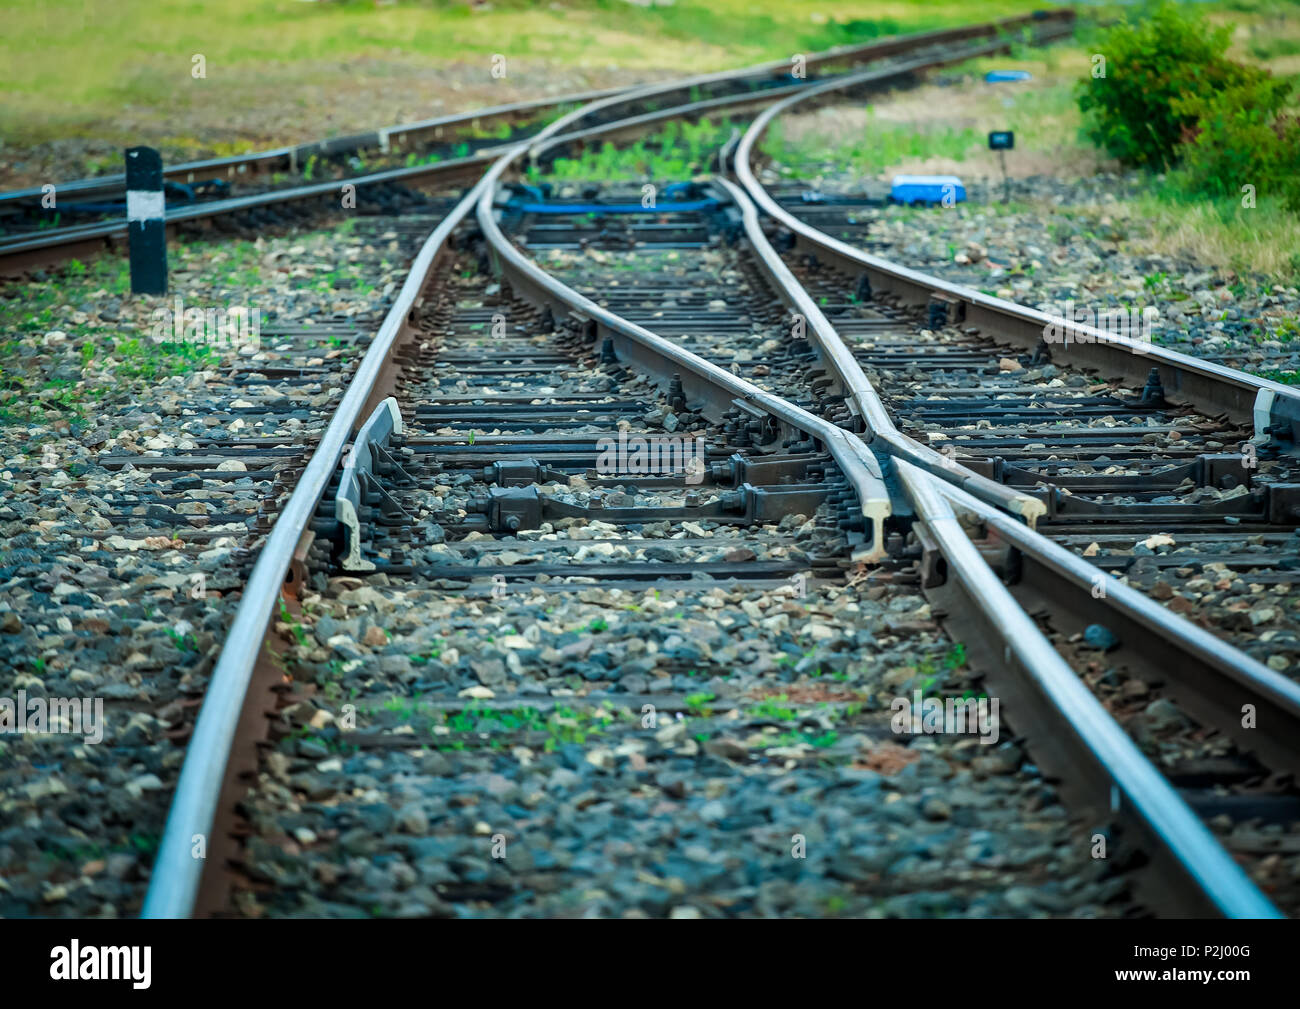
{"points": [[1003, 141], [146, 210]]}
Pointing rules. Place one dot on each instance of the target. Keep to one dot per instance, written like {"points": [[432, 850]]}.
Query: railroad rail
{"points": [[415, 136], [806, 431], [29, 247], [176, 880], [1273, 408], [1214, 683], [1209, 679], [1197, 875]]}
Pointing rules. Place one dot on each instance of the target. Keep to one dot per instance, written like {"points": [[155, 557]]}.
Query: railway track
{"points": [[266, 188], [127, 547], [1101, 479], [442, 135], [741, 614], [679, 294]]}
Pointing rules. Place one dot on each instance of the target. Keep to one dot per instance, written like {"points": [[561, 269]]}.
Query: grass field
{"points": [[81, 79], [944, 129], [287, 69]]}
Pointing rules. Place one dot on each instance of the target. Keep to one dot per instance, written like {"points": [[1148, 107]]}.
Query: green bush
{"points": [[1137, 112], [1241, 137]]}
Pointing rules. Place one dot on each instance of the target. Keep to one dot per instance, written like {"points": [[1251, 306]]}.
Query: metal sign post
{"points": [[1003, 141], [146, 221]]}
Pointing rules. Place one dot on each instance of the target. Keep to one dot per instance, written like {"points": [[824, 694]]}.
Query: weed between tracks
{"points": [[76, 344], [31, 315], [677, 152]]}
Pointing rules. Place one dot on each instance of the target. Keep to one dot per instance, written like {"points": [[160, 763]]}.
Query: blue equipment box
{"points": [[926, 189]]}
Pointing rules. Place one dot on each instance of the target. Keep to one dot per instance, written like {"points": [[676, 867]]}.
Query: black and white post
{"points": [[146, 221]]}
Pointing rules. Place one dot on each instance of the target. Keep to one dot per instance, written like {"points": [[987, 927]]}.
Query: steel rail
{"points": [[1078, 737], [33, 245], [543, 289], [443, 171], [1244, 398], [1187, 850], [665, 360], [288, 156], [169, 895], [177, 871], [1207, 677], [547, 138], [117, 228], [862, 398], [1183, 849], [894, 72], [75, 234], [13, 251], [1048, 687], [1218, 678]]}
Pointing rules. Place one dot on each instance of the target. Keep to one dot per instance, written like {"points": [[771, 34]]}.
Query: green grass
{"points": [[698, 704], [186, 642], [152, 361], [562, 725], [882, 145], [296, 628], [772, 708], [1263, 241], [68, 67], [112, 362], [820, 740], [497, 729], [676, 153], [428, 655]]}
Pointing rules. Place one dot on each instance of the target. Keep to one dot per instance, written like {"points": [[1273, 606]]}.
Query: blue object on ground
{"points": [[1001, 76], [1100, 636], [927, 189]]}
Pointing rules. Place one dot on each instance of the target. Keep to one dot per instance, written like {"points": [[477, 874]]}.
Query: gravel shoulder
{"points": [[108, 515]]}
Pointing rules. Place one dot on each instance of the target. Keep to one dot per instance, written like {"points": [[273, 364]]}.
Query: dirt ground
{"points": [[247, 115]]}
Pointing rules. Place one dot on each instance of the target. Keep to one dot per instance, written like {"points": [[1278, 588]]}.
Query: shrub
{"points": [[1241, 137], [1134, 112]]}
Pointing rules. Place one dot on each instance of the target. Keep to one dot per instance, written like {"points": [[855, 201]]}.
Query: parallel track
{"points": [[1132, 495], [29, 242], [800, 431], [1167, 829]]}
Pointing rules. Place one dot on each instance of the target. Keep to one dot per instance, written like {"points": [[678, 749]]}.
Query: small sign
{"points": [[1002, 140], [1004, 76], [146, 215]]}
